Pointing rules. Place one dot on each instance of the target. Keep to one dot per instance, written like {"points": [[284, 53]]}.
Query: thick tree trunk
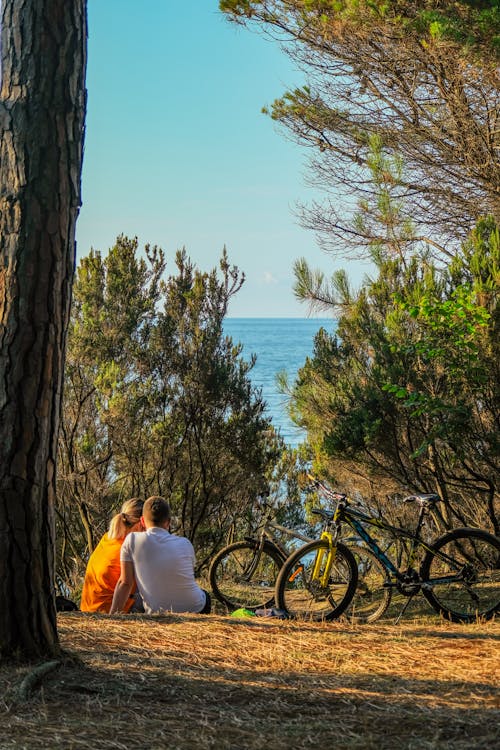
{"points": [[42, 111]]}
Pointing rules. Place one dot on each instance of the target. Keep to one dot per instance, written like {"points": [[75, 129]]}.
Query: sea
{"points": [[280, 344]]}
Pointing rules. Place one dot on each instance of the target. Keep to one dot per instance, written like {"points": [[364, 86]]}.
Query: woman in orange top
{"points": [[103, 568]]}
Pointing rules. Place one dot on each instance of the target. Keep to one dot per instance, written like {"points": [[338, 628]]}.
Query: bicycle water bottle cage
{"points": [[425, 500]]}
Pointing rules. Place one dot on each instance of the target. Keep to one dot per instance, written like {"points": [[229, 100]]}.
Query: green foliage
{"points": [[415, 83], [405, 393], [467, 23], [157, 401], [450, 330], [399, 110]]}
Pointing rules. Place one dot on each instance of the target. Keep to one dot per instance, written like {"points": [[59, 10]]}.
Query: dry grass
{"points": [[185, 681]]}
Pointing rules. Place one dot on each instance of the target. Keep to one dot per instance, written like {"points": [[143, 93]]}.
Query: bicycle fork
{"points": [[319, 574], [321, 577]]}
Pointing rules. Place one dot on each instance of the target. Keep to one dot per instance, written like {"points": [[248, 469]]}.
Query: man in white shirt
{"points": [[161, 564]]}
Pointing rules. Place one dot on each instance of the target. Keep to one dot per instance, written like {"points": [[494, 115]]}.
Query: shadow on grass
{"points": [[144, 708], [137, 685]]}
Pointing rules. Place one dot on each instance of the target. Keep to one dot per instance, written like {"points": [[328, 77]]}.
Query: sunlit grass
{"points": [[180, 681]]}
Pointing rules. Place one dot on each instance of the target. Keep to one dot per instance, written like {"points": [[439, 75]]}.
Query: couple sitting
{"points": [[140, 554]]}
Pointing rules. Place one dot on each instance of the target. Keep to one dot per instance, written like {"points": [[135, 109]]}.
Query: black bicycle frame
{"points": [[351, 516]]}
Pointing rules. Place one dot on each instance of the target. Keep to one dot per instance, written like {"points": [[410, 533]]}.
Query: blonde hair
{"points": [[123, 521]]}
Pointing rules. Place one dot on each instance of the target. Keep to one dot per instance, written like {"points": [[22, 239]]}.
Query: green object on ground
{"points": [[242, 613]]}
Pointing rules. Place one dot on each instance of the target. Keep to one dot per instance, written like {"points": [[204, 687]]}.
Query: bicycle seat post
{"points": [[421, 516]]}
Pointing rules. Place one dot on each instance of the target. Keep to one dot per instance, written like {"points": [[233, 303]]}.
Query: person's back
{"points": [[162, 565], [103, 568], [164, 571], [101, 575]]}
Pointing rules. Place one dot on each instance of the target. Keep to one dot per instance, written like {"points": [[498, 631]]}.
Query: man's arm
{"points": [[123, 587]]}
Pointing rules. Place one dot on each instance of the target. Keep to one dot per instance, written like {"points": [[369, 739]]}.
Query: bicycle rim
{"points": [[304, 598], [461, 575], [371, 599], [242, 576]]}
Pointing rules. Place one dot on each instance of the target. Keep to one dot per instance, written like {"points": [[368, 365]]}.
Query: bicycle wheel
{"points": [[242, 575], [461, 575], [371, 599], [303, 596]]}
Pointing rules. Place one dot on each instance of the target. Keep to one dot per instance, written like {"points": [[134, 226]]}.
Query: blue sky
{"points": [[178, 152]]}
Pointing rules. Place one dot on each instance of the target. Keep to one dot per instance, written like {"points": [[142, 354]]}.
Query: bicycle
{"points": [[243, 574], [373, 596], [459, 573]]}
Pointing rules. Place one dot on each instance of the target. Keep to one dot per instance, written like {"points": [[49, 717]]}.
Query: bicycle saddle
{"points": [[424, 499]]}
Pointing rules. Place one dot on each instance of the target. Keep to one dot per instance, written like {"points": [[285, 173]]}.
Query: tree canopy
{"points": [[158, 400], [473, 24], [422, 77], [400, 115], [405, 393]]}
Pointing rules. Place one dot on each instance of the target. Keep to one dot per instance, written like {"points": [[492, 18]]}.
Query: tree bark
{"points": [[42, 114]]}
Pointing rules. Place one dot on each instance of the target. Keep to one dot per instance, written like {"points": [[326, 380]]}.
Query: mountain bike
{"points": [[243, 574], [458, 574]]}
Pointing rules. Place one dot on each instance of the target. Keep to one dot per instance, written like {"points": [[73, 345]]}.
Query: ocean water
{"points": [[279, 344]]}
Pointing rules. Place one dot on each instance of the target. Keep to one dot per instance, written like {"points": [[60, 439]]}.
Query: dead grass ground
{"points": [[188, 681]]}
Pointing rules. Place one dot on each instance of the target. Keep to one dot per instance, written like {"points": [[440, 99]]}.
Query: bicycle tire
{"points": [[302, 598], [371, 599], [229, 581], [475, 594]]}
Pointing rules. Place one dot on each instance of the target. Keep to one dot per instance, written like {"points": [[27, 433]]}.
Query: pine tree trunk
{"points": [[42, 112]]}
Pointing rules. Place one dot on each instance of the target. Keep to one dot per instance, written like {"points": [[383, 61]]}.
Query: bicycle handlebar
{"points": [[331, 494]]}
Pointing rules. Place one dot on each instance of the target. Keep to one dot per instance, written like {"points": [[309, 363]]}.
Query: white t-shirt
{"points": [[164, 571]]}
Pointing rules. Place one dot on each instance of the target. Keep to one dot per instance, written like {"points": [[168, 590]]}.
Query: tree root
{"points": [[34, 677]]}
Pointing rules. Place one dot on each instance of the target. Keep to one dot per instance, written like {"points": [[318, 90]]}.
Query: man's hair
{"points": [[156, 510]]}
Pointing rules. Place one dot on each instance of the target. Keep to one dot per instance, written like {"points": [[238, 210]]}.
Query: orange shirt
{"points": [[101, 577]]}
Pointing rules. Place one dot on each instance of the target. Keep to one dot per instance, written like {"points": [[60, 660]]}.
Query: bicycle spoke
{"points": [[371, 599], [301, 589], [244, 576]]}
